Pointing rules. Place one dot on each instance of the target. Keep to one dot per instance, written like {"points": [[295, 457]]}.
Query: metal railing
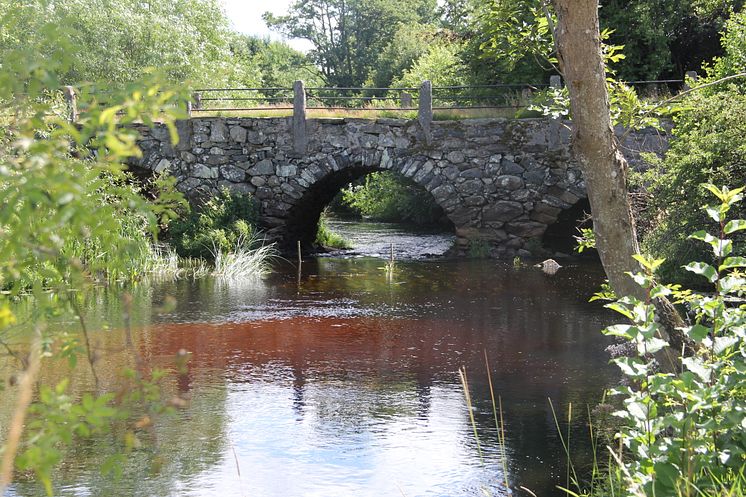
{"points": [[406, 100]]}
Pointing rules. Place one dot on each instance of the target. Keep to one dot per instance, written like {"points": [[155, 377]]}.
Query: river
{"points": [[344, 380]]}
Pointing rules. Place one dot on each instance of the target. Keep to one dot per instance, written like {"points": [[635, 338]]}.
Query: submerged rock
{"points": [[549, 266]]}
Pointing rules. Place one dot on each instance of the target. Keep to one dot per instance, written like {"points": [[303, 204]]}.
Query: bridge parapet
{"points": [[501, 182]]}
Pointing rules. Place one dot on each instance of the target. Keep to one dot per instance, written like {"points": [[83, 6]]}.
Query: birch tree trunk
{"points": [[597, 151]]}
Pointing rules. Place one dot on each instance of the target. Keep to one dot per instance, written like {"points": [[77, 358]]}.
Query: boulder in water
{"points": [[549, 266]]}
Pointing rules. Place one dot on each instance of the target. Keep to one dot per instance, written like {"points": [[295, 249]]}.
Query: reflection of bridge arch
{"points": [[502, 182]]}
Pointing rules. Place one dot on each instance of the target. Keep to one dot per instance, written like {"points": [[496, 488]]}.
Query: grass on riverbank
{"points": [[242, 262]]}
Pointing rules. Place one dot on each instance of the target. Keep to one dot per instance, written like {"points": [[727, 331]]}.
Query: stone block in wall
{"points": [[474, 172], [263, 193], [233, 174], [237, 188], [163, 165], [509, 182], [526, 229], [238, 134], [205, 172], [503, 210], [262, 168], [218, 131], [285, 171], [471, 187]]}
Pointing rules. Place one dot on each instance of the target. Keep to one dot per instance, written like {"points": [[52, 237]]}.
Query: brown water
{"points": [[345, 382]]}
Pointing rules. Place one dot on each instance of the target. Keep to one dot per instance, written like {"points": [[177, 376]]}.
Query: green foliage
{"points": [[683, 430], [385, 196], [440, 64], [478, 249], [280, 65], [734, 45], [516, 31], [665, 38], [67, 217], [188, 39], [220, 224], [708, 147], [586, 239], [409, 44], [349, 36], [326, 237]]}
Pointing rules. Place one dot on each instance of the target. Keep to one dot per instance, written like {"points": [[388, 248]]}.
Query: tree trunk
{"points": [[597, 151], [604, 168]]}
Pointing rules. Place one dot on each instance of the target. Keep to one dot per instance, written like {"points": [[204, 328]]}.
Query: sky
{"points": [[246, 17]]}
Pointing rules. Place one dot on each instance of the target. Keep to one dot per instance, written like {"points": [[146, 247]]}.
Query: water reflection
{"points": [[376, 239], [347, 383]]}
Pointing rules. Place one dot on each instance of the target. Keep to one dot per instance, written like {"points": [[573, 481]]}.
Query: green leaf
{"points": [[698, 367], [648, 263], [651, 345], [621, 309], [732, 262], [732, 284], [659, 291], [723, 343], [638, 410], [622, 330], [666, 474], [714, 213], [735, 225], [702, 269], [698, 332]]}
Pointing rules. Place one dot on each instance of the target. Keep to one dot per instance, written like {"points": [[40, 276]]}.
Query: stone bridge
{"points": [[500, 182]]}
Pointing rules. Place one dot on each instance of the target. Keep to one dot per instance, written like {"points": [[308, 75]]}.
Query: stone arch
{"points": [[335, 172]]}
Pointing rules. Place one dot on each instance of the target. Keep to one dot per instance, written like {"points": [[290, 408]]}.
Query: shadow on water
{"points": [[346, 382]]}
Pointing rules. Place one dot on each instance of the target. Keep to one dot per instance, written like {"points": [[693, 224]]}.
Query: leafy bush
{"points": [[708, 146], [219, 224], [385, 196], [683, 429], [326, 237]]}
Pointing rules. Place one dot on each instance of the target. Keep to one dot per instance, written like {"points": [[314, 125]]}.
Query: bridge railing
{"points": [[424, 102]]}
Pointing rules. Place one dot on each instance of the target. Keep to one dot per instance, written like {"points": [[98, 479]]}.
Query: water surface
{"points": [[344, 381]]}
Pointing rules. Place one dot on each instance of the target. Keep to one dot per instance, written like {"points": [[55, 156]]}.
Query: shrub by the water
{"points": [[683, 423], [219, 224], [708, 146]]}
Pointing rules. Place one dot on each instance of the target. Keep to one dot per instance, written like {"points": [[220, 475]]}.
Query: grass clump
{"points": [[326, 237], [243, 261]]}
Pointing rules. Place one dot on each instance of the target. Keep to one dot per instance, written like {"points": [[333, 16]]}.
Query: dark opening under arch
{"points": [[560, 236]]}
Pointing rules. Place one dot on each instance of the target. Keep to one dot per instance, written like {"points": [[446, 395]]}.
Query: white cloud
{"points": [[246, 17]]}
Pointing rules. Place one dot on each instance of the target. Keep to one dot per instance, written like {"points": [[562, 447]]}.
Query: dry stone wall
{"points": [[501, 182]]}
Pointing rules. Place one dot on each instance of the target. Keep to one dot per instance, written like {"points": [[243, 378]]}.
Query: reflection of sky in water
{"points": [[284, 450]]}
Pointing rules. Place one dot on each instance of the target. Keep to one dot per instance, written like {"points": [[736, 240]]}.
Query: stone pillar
{"points": [[197, 98], [406, 100], [300, 141], [425, 110], [690, 75], [71, 99]]}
